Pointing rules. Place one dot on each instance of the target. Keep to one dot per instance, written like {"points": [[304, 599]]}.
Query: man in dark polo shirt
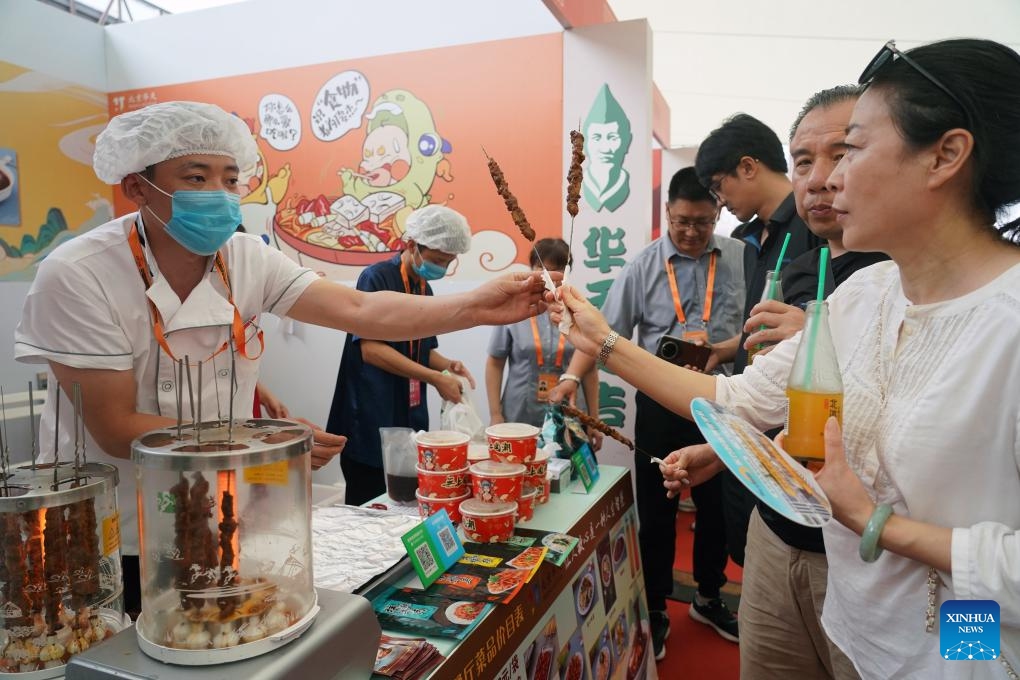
{"points": [[786, 570], [743, 165]]}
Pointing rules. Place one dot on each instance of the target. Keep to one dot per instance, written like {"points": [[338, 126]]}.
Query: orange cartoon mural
{"points": [[348, 150]]}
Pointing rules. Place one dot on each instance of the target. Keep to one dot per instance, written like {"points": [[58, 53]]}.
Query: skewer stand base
{"points": [[340, 643]]}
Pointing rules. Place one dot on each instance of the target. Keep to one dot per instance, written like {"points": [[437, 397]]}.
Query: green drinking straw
{"points": [[775, 278], [823, 263], [779, 265]]}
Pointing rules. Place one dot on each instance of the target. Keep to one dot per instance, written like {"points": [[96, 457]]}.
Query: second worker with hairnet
{"points": [[382, 384]]}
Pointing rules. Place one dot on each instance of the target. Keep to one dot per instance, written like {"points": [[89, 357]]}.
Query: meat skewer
{"points": [[15, 568], [503, 188], [36, 576], [181, 542], [227, 526], [596, 424], [55, 548], [574, 175]]}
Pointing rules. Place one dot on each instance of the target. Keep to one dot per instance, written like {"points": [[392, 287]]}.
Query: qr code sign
{"points": [[425, 558], [447, 540]]}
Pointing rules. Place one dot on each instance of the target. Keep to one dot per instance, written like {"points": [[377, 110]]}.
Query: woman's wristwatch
{"points": [[607, 348], [569, 376]]}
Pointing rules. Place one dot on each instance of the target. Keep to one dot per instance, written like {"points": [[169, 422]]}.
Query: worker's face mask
{"points": [[201, 221], [430, 271]]}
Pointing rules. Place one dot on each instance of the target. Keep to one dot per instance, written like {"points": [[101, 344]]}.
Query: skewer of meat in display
{"points": [[62, 588], [226, 575]]}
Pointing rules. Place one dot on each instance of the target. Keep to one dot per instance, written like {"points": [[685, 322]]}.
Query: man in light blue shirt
{"points": [[688, 284]]}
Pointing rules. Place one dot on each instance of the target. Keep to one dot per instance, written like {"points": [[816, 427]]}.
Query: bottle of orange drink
{"points": [[815, 388]]}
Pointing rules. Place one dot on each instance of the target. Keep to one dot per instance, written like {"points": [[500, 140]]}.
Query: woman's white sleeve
{"points": [[759, 394]]}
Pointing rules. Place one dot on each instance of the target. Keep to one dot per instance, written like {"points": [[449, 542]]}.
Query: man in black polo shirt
{"points": [[786, 570], [743, 165]]}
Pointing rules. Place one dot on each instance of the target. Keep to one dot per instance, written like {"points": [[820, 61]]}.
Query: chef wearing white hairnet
{"points": [[382, 384], [113, 308]]}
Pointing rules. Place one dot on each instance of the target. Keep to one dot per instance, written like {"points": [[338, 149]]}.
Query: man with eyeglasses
{"points": [[743, 166], [689, 284]]}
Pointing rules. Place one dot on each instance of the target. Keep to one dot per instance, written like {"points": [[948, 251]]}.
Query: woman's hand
{"points": [[273, 407], [851, 504], [689, 466], [590, 328], [564, 389], [781, 321], [594, 439], [325, 445], [458, 368]]}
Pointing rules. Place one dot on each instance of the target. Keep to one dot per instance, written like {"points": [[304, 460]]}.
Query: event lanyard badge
{"points": [[694, 331], [547, 379], [238, 327], [414, 346]]}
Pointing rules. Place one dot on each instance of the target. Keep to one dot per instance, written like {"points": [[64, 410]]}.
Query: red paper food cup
{"points": [[487, 522], [512, 442], [543, 496], [442, 450], [537, 467], [477, 452], [430, 506], [526, 505], [443, 484], [493, 482]]}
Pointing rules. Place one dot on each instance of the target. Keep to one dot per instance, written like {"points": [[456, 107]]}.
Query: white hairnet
{"points": [[135, 140], [439, 228]]}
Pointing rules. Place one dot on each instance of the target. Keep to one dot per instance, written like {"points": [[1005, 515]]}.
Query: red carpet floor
{"points": [[694, 651]]}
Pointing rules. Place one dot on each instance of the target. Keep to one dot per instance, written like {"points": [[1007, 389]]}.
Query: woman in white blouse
{"points": [[928, 349]]}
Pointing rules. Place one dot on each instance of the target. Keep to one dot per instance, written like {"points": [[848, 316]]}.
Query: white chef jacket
{"points": [[87, 308]]}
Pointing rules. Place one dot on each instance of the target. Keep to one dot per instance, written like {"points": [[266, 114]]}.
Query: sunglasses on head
{"points": [[890, 53]]}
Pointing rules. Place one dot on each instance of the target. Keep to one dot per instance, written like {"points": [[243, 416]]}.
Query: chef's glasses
{"points": [[890, 53]]}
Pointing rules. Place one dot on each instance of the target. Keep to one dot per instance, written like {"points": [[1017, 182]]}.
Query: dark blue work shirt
{"points": [[366, 397]]}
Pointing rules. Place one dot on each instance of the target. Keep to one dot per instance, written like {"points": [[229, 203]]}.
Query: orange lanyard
{"points": [[709, 292], [238, 326], [540, 350], [407, 289]]}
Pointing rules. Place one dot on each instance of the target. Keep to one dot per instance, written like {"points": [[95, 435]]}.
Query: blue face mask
{"points": [[430, 271], [201, 221]]}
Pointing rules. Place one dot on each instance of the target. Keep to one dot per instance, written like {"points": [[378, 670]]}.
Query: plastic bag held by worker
{"points": [[462, 417]]}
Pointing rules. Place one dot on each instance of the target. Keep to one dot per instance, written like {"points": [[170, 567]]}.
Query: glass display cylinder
{"points": [[62, 587], [225, 536]]}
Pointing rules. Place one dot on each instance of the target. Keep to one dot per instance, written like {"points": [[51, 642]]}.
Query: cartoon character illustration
{"points": [[400, 159], [430, 459], [386, 158], [486, 488], [400, 130], [607, 139], [261, 194]]}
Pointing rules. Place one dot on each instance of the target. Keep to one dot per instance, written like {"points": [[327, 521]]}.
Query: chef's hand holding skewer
{"points": [[689, 466], [325, 445]]}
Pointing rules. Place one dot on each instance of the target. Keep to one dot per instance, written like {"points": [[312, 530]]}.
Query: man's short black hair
{"points": [[684, 186], [741, 135]]}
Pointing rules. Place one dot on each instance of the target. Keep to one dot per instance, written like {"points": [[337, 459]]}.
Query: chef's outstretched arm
{"points": [[108, 402], [384, 315]]}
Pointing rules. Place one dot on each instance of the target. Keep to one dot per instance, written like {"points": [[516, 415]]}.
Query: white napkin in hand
{"points": [[567, 320]]}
